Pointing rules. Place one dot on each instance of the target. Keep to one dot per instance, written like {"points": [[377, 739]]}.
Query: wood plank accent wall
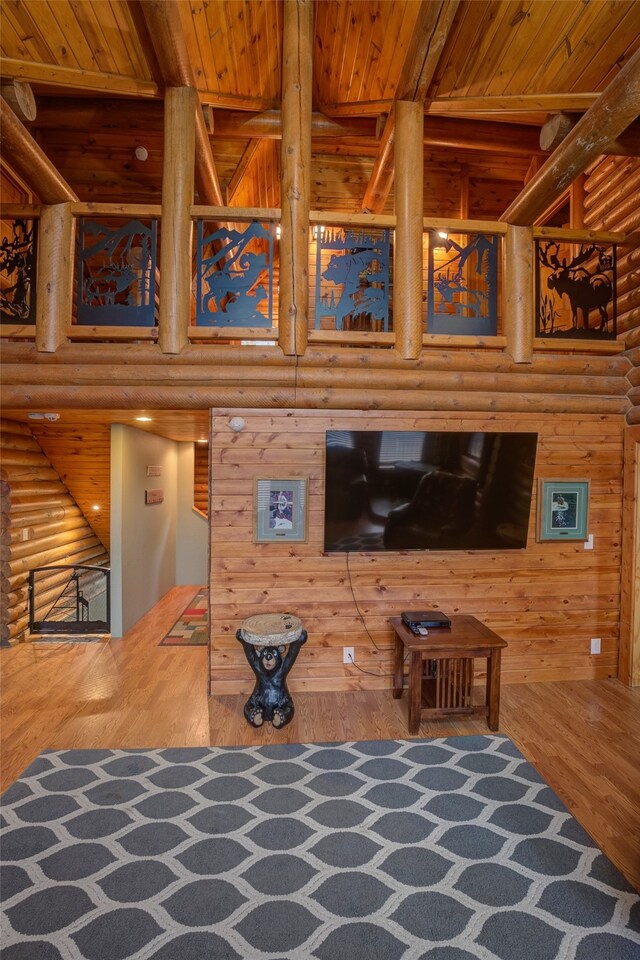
{"points": [[41, 525], [201, 477], [546, 601]]}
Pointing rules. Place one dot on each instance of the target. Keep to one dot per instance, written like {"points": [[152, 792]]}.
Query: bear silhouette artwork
{"points": [[270, 699]]}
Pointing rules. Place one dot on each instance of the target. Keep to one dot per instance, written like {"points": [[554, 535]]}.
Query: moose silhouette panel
{"points": [[575, 290]]}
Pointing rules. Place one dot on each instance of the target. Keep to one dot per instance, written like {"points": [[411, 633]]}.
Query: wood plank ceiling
{"points": [[502, 62], [497, 68]]}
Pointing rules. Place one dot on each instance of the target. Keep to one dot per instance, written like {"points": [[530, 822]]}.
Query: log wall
{"points": [[80, 453], [41, 525], [547, 601], [611, 203]]}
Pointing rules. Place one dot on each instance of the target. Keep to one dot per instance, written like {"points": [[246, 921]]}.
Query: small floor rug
{"points": [[192, 629], [446, 849]]}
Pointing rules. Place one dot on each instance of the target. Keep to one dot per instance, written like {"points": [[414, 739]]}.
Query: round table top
{"points": [[271, 629]]}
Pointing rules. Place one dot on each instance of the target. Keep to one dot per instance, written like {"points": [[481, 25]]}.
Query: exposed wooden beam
{"points": [[238, 124], [20, 98], [615, 109], [244, 163], [560, 125], [514, 103], [74, 78], [165, 28], [433, 23], [467, 106], [69, 113], [31, 164]]}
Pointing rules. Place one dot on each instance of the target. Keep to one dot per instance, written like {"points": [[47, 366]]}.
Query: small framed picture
{"points": [[563, 510], [280, 510]]}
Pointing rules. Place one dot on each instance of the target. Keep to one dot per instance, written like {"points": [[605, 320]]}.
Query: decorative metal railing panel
{"points": [[18, 259], [234, 275], [575, 290], [69, 599], [117, 273], [352, 278], [462, 284]]}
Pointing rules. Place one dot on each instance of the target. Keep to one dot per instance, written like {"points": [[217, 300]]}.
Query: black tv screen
{"points": [[436, 490]]}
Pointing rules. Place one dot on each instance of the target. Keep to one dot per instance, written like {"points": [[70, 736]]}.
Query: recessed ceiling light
{"points": [[202, 441], [144, 419], [95, 507]]}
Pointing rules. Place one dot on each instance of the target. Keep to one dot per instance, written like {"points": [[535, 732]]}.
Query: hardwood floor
{"points": [[583, 736]]}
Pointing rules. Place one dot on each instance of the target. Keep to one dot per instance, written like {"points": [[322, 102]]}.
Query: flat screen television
{"points": [[436, 490]]}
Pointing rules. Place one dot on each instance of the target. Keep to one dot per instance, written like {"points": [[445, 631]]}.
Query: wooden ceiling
{"points": [[98, 79], [495, 70]]}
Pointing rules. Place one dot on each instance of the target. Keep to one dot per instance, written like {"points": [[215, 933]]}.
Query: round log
{"points": [[30, 457], [612, 194], [631, 320], [12, 472], [23, 155], [295, 175], [42, 515], [609, 116], [555, 129], [431, 358], [20, 98], [177, 197], [518, 284], [54, 300], [62, 553], [407, 288]]}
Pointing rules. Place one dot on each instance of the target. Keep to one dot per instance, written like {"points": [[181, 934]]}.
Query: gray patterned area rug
{"points": [[447, 849]]}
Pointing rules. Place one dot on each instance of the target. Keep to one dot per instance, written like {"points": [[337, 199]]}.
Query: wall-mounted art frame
{"points": [[563, 510], [280, 508]]}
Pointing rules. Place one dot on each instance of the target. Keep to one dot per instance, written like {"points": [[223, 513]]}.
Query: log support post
{"points": [[54, 290], [407, 291], [177, 196], [629, 653], [518, 301], [296, 172]]}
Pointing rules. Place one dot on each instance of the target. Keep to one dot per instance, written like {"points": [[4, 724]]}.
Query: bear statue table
{"points": [[271, 642]]}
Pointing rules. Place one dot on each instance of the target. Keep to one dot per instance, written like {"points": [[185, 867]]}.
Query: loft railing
{"points": [[115, 290], [69, 599]]}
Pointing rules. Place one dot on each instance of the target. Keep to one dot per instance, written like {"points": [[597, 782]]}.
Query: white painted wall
{"points": [[143, 536], [192, 529]]}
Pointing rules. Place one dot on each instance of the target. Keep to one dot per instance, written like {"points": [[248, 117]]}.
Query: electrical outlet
{"points": [[348, 655], [595, 645], [588, 544]]}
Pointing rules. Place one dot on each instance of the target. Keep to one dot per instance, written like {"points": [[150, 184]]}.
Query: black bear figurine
{"points": [[270, 699]]}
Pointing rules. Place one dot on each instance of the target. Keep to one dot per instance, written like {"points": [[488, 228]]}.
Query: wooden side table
{"points": [[440, 679]]}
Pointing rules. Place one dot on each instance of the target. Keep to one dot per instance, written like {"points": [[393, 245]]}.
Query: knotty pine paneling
{"points": [[42, 524], [547, 601], [201, 477], [80, 452]]}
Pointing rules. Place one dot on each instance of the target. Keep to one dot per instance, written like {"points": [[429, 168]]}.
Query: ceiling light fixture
{"points": [[141, 153], [144, 419]]}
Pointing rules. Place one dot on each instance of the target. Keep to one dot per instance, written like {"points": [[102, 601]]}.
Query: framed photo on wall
{"points": [[280, 508], [563, 510]]}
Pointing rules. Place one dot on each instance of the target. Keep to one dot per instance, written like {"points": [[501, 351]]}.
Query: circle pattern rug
{"points": [[445, 849]]}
